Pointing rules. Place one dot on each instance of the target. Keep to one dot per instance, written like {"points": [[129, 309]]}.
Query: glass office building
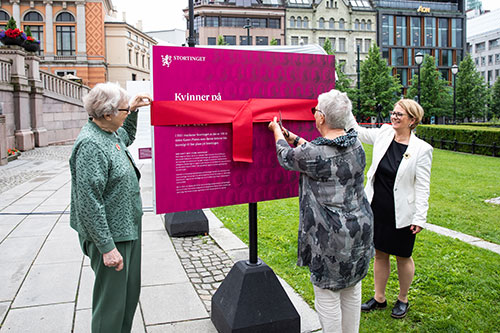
{"points": [[436, 28]]}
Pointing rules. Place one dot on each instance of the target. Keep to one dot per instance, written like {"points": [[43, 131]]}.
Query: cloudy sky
{"points": [[167, 14]]}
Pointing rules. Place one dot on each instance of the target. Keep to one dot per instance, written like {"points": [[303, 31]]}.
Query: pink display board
{"points": [[193, 165]]}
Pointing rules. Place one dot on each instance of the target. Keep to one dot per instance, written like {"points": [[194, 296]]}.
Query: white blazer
{"points": [[412, 184]]}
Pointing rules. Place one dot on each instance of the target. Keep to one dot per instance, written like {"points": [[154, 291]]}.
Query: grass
{"points": [[456, 286]]}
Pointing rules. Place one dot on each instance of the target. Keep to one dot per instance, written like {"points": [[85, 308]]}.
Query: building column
{"points": [[3, 139], [81, 35], [49, 31], [16, 12], [23, 134], [36, 101]]}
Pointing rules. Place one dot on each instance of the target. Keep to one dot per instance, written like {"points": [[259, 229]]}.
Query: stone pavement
{"points": [[46, 282]]}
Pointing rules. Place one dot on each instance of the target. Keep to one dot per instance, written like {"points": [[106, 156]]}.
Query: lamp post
{"points": [[248, 26], [191, 38], [454, 71], [419, 58], [359, 79]]}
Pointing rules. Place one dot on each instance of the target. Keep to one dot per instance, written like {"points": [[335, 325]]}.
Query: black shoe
{"points": [[400, 309], [372, 304]]}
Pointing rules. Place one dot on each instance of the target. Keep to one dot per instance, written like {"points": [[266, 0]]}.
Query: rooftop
{"points": [[483, 23]]}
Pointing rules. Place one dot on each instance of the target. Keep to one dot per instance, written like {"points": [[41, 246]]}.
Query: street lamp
{"points": [[248, 26], [419, 58], [454, 71], [191, 38]]}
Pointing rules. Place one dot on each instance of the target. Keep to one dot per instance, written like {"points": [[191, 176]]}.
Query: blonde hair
{"points": [[413, 109]]}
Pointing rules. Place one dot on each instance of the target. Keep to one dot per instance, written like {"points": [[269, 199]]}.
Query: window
{"points": [[299, 22], [493, 44], [321, 41], [341, 24], [385, 54], [332, 41], [292, 22], [230, 40], [490, 76], [480, 46], [261, 40], [331, 24], [321, 23], [143, 61], [245, 41], [403, 76], [397, 57], [356, 25], [456, 32], [4, 16], [447, 56], [274, 23], [497, 72], [359, 42], [342, 45], [305, 23], [369, 25], [368, 44], [445, 74], [294, 40], [490, 60], [134, 77], [129, 35], [211, 41], [130, 56], [37, 33], [443, 32], [65, 40], [400, 30], [497, 58], [211, 21], [64, 73], [149, 60], [65, 17], [33, 16], [430, 31], [483, 61], [304, 39], [476, 61], [137, 58], [415, 31], [363, 25], [387, 30]]}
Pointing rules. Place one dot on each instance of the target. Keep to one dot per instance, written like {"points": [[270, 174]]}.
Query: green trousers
{"points": [[116, 294]]}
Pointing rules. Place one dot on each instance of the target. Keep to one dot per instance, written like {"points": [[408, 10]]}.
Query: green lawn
{"points": [[456, 286]]}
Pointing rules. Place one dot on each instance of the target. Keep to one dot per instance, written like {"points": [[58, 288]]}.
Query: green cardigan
{"points": [[106, 204]]}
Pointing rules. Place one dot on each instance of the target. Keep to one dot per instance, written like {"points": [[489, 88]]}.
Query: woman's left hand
{"points": [[415, 229], [273, 125], [139, 101]]}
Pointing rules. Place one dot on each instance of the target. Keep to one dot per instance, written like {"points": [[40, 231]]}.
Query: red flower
{"points": [[12, 33], [31, 39]]}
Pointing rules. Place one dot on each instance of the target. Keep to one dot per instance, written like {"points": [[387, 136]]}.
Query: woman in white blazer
{"points": [[398, 189]]}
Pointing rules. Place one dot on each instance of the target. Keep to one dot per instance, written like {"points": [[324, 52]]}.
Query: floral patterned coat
{"points": [[336, 223]]}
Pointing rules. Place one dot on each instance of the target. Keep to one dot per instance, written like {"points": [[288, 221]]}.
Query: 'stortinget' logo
{"points": [[166, 59]]}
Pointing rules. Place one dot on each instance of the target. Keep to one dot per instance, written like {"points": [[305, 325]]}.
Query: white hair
{"points": [[104, 99], [336, 107]]}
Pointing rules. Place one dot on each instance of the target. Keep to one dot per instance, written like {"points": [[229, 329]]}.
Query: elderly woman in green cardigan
{"points": [[106, 207]]}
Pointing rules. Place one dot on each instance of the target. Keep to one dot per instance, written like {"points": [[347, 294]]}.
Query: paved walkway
{"points": [[46, 282]]}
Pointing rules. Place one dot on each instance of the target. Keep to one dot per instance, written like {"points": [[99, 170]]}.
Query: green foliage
{"points": [[11, 24], [273, 42], [495, 99], [456, 285], [221, 41], [471, 92], [343, 83], [27, 31], [328, 47], [436, 96], [378, 86], [466, 134]]}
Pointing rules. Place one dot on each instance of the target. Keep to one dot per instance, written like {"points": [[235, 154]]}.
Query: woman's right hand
{"points": [[113, 258]]}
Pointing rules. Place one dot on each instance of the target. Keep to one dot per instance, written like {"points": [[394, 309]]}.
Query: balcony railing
{"points": [[63, 87], [5, 66]]}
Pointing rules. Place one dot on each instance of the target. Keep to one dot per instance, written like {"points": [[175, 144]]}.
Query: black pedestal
{"points": [[251, 299], [189, 223]]}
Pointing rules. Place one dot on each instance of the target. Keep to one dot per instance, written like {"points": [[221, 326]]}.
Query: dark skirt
{"points": [[388, 239]]}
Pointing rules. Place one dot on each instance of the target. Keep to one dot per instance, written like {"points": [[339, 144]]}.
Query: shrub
{"points": [[462, 137]]}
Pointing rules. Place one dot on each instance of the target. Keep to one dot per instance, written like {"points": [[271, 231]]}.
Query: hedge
{"points": [[464, 138]]}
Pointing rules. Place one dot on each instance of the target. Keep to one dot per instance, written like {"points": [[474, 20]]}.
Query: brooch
{"points": [[118, 146], [406, 156]]}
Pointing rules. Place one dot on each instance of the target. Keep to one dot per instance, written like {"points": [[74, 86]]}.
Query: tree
{"points": [[435, 93], [471, 92], [221, 41], [273, 42], [495, 99], [342, 82], [328, 47], [378, 86]]}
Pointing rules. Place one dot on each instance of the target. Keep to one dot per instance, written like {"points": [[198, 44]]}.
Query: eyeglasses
{"points": [[125, 110], [397, 114], [313, 110]]}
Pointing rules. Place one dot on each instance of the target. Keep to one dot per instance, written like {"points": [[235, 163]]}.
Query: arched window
{"points": [[299, 22], [292, 21], [65, 34], [322, 23], [341, 24], [65, 17], [363, 25], [4, 16], [356, 25], [331, 24], [305, 23], [33, 17], [369, 25]]}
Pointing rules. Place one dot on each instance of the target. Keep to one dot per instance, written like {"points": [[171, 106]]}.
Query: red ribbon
{"points": [[242, 115]]}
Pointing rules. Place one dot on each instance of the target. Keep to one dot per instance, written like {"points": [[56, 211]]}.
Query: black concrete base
{"points": [[251, 299], [189, 223]]}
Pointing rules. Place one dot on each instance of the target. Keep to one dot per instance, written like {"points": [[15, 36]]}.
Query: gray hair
{"points": [[336, 107], [104, 99]]}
